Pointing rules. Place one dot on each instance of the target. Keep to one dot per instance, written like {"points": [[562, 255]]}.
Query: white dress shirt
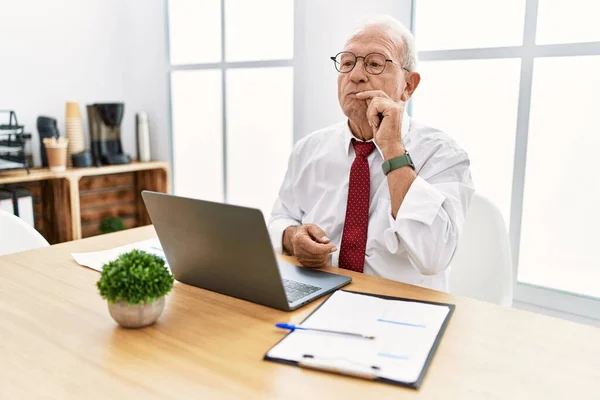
{"points": [[417, 246]]}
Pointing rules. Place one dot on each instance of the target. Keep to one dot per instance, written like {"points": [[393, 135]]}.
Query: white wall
{"points": [[322, 28], [54, 51]]}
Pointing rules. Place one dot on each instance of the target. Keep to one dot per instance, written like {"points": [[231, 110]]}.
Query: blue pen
{"points": [[293, 327]]}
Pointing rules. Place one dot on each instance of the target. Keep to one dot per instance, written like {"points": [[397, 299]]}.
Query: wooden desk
{"points": [[58, 340]]}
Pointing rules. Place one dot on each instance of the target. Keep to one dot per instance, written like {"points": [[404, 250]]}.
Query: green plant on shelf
{"points": [[135, 277], [111, 224]]}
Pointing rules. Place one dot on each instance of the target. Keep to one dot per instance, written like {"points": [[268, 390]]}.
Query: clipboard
{"points": [[365, 371]]}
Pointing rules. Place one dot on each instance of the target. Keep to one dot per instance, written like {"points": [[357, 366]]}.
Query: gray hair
{"points": [[398, 33]]}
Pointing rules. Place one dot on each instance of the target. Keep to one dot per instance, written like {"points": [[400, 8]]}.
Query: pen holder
{"points": [[56, 150]]}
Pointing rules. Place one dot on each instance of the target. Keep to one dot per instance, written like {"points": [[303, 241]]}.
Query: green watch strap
{"points": [[397, 162]]}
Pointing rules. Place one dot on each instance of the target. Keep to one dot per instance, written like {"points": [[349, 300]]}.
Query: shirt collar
{"points": [[348, 136]]}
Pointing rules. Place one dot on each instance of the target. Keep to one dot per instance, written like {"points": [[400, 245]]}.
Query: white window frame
{"points": [[526, 295], [222, 66]]}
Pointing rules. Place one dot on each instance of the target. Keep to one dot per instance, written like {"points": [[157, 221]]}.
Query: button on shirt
{"points": [[417, 246]]}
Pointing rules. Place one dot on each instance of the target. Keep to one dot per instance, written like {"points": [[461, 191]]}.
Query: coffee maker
{"points": [[105, 133]]}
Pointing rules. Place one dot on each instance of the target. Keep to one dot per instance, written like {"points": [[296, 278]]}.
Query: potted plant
{"points": [[135, 285], [111, 224]]}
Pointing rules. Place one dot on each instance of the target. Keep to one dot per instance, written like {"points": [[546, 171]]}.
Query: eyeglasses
{"points": [[373, 63]]}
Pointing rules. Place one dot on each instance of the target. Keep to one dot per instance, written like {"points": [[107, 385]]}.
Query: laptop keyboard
{"points": [[297, 290]]}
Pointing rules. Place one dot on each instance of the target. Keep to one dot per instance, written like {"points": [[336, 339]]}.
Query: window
{"points": [[562, 189], [468, 24], [194, 31], [516, 83], [257, 130], [197, 105], [230, 140], [573, 21], [478, 92]]}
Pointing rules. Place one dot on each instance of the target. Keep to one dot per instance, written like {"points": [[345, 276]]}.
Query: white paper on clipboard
{"points": [[404, 331]]}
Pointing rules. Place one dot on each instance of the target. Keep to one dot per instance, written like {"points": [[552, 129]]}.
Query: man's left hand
{"points": [[385, 117]]}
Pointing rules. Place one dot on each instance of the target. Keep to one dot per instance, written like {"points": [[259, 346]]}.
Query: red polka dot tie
{"points": [[354, 238]]}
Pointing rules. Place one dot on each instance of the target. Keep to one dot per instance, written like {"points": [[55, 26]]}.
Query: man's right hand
{"points": [[309, 244]]}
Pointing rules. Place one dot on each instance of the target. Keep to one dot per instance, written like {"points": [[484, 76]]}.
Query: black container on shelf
{"points": [[104, 120], [13, 140]]}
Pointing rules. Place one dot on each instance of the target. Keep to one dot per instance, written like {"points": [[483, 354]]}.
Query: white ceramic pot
{"points": [[136, 315]]}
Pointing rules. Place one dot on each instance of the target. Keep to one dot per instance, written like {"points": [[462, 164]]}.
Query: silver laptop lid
{"points": [[220, 247]]}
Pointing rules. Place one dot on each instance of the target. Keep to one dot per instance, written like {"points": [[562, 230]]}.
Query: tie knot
{"points": [[363, 149]]}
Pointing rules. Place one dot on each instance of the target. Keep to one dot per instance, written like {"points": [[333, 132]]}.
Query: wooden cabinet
{"points": [[70, 205]]}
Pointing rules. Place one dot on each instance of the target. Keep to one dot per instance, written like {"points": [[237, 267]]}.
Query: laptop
{"points": [[227, 249]]}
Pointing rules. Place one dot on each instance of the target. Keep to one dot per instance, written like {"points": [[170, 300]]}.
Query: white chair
{"points": [[16, 235], [482, 266]]}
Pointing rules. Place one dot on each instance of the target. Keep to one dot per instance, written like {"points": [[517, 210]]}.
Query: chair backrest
{"points": [[17, 235], [482, 266]]}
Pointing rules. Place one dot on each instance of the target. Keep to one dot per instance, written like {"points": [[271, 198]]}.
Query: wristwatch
{"points": [[397, 162]]}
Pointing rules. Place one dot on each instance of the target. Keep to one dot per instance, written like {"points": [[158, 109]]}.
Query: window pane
{"points": [[573, 21], [475, 101], [259, 134], [259, 30], [194, 31], [559, 239], [197, 134], [466, 24]]}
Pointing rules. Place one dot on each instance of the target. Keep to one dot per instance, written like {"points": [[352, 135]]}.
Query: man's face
{"points": [[391, 81]]}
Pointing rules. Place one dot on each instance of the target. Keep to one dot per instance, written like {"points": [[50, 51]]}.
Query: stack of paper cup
{"points": [[74, 130]]}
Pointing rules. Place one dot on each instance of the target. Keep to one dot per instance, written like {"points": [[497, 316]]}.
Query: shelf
{"points": [[37, 174], [70, 205]]}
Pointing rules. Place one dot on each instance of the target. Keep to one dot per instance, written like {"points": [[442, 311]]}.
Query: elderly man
{"points": [[353, 195]]}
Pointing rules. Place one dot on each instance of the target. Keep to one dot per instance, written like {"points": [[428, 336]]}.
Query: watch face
{"points": [[410, 161]]}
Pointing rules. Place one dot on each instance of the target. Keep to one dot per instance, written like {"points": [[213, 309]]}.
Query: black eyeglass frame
{"points": [[335, 63]]}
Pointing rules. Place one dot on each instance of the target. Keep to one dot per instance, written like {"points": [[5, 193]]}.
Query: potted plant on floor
{"points": [[111, 224], [135, 285]]}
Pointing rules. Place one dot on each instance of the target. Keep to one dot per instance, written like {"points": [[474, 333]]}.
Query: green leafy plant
{"points": [[135, 277], [111, 224]]}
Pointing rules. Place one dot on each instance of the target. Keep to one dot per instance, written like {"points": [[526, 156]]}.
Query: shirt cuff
{"points": [[276, 229], [421, 203]]}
